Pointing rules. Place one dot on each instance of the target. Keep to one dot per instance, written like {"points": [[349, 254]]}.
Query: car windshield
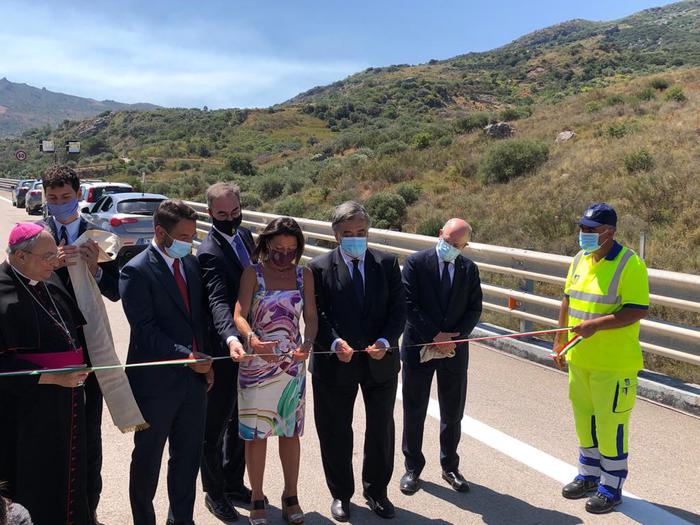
{"points": [[138, 206], [99, 192], [25, 184]]}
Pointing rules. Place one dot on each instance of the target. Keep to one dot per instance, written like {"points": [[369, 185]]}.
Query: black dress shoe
{"points": [[578, 488], [601, 504], [221, 509], [340, 509], [456, 480], [381, 506], [240, 495], [409, 484]]}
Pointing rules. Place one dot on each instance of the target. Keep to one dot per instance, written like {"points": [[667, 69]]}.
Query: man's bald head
{"points": [[456, 232]]}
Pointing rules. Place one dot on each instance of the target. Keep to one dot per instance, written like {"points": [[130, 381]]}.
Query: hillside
{"points": [[24, 107], [408, 140]]}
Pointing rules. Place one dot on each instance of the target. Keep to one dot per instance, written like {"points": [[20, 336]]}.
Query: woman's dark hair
{"points": [[279, 226]]}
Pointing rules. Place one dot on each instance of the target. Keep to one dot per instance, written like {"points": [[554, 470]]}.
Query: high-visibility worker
{"points": [[605, 296]]}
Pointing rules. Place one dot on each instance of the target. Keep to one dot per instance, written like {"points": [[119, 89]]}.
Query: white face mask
{"points": [[446, 251]]}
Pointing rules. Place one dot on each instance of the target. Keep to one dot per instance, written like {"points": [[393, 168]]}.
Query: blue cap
{"points": [[599, 214]]}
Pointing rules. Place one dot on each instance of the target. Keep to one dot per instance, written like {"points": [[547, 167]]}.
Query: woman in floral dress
{"points": [[274, 294]]}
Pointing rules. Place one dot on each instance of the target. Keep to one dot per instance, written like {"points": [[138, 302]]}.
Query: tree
{"points": [[388, 210], [241, 165]]}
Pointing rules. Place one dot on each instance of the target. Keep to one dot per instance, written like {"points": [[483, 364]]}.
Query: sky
{"points": [[253, 53]]}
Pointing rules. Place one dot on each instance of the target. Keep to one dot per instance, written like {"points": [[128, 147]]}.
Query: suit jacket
{"points": [[109, 283], [341, 316], [424, 315], [162, 328], [221, 275]]}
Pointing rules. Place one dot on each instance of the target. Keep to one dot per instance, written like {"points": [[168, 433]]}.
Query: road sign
{"points": [[21, 155], [72, 146], [47, 146]]}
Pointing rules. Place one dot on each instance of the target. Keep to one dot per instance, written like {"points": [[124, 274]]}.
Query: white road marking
{"points": [[632, 506], [9, 201]]}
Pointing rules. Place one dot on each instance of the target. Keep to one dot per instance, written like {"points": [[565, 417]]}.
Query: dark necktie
{"points": [[182, 286], [445, 286], [357, 281], [64, 235]]}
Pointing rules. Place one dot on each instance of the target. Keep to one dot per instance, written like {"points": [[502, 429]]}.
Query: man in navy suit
{"points": [[161, 291], [65, 223], [361, 310], [443, 303], [223, 255]]}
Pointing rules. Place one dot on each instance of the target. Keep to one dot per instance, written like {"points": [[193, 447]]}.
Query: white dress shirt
{"points": [[72, 232], [169, 261]]}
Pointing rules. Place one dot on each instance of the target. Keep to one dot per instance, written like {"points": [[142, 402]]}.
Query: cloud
{"points": [[92, 57]]}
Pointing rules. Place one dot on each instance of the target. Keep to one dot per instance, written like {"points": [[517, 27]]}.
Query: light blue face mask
{"points": [[63, 212], [589, 242], [446, 251], [178, 249], [355, 247]]}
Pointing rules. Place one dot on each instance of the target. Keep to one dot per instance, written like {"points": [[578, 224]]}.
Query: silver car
{"points": [[33, 199], [128, 215]]}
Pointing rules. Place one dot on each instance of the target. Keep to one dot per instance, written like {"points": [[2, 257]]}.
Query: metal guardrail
{"points": [[675, 290]]}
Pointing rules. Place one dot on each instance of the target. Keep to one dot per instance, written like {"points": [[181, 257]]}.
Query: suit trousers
{"points": [[452, 395], [93, 434], [333, 413], [223, 456], [179, 418]]}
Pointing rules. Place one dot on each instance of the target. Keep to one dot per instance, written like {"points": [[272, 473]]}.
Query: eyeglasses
{"points": [[50, 257]]}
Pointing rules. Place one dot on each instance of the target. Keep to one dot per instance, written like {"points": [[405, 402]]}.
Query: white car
{"points": [[91, 192], [128, 215]]}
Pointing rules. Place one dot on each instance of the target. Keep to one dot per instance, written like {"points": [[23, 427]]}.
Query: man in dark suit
{"points": [[360, 301], [443, 303], [65, 223], [223, 255], [161, 291]]}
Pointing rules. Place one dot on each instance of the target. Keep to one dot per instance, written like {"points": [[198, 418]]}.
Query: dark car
{"points": [[20, 191]]}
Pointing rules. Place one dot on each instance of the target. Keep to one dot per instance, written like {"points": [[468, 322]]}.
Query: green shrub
{"points": [[640, 160], [675, 94], [510, 114], [241, 165], [393, 146], [617, 131], [250, 201], [388, 210], [430, 226], [646, 94], [295, 184], [471, 122], [659, 83], [183, 165], [507, 160], [593, 106], [422, 140], [410, 192], [614, 100], [270, 187], [291, 207]]}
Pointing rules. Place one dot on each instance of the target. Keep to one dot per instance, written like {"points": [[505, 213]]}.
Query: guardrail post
{"points": [[528, 286]]}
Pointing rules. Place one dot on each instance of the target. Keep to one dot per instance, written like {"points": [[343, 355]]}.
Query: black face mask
{"points": [[228, 227]]}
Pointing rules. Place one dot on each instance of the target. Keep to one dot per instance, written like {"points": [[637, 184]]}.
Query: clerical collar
{"points": [[32, 282]]}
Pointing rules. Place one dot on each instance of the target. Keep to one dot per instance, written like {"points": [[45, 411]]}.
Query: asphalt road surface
{"points": [[518, 448]]}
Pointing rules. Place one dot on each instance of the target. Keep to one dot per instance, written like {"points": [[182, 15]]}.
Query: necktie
{"points": [[357, 281], [64, 235], [241, 251], [445, 286], [182, 286]]}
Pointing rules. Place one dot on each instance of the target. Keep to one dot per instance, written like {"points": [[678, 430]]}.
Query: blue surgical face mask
{"points": [[178, 249], [355, 247], [589, 242], [63, 212], [446, 251]]}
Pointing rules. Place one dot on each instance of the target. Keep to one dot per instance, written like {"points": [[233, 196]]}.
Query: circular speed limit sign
{"points": [[21, 155]]}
